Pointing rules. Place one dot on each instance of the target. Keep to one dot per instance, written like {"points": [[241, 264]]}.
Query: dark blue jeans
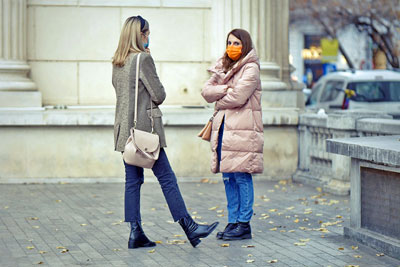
{"points": [[134, 179], [238, 188]]}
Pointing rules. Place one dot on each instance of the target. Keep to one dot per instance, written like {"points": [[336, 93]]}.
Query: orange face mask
{"points": [[234, 52]]}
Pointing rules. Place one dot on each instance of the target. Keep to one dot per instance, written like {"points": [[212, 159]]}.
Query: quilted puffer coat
{"points": [[240, 108]]}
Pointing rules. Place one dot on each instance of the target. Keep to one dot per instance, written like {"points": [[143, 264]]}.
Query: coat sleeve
{"points": [[212, 91], [242, 90], [150, 79]]}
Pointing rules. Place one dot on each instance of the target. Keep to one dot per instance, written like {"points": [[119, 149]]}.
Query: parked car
{"points": [[357, 89]]}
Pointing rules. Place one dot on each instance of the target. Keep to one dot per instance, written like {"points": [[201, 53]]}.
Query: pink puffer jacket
{"points": [[243, 141]]}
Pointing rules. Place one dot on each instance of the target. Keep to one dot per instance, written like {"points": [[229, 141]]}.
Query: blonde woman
{"points": [[134, 39]]}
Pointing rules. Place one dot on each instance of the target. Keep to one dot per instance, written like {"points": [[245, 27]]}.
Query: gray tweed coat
{"points": [[150, 87]]}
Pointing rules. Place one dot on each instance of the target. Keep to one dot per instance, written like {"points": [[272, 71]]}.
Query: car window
{"points": [[375, 91], [331, 91], [314, 95]]}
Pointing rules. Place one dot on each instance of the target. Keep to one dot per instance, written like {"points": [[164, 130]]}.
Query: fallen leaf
{"points": [[152, 251], [318, 214], [273, 210], [305, 240], [200, 194], [178, 235], [272, 261], [296, 221], [60, 247], [283, 182], [290, 208], [6, 207], [248, 246], [204, 180], [225, 245], [339, 216], [176, 242], [33, 218], [30, 248], [249, 255], [36, 227], [171, 222], [308, 212], [196, 217], [354, 247], [340, 248], [357, 256], [291, 231], [273, 229], [58, 200], [153, 209], [220, 211], [213, 208], [276, 186], [64, 250], [271, 191], [220, 215], [282, 231], [352, 265], [158, 242], [83, 224], [299, 244], [194, 212], [42, 252], [40, 262], [266, 199], [116, 249], [319, 189], [380, 254], [250, 261]]}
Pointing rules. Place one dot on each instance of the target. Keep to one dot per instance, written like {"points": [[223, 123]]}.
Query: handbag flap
{"points": [[145, 141]]}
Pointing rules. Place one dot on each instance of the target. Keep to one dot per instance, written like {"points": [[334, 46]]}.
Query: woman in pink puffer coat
{"points": [[237, 131]]}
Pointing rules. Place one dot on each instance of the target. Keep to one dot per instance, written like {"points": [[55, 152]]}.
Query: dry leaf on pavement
{"points": [[225, 245]]}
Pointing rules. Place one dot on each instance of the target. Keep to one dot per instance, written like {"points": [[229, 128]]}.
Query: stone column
{"points": [[267, 21], [16, 88]]}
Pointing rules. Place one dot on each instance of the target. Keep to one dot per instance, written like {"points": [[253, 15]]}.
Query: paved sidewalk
{"points": [[81, 224]]}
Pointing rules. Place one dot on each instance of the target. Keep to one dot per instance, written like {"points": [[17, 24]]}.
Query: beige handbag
{"points": [[142, 148], [205, 133]]}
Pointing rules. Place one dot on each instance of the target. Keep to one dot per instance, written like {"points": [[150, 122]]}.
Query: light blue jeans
{"points": [[239, 190]]}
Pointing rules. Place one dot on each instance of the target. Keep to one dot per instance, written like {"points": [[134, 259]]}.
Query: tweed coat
{"points": [[150, 88], [240, 109]]}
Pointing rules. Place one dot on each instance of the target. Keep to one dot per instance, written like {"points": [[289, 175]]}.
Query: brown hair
{"points": [[247, 46], [130, 40]]}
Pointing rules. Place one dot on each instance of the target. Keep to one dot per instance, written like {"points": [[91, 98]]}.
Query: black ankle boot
{"points": [[137, 237], [195, 231], [228, 227], [241, 231]]}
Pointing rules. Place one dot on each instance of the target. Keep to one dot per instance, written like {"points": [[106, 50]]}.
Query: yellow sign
{"points": [[330, 48]]}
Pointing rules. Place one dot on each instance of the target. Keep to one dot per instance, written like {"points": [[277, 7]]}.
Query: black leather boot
{"points": [[137, 237], [228, 227], [195, 231], [241, 231]]}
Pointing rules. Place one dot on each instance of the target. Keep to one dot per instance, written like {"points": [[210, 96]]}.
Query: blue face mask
{"points": [[146, 45]]}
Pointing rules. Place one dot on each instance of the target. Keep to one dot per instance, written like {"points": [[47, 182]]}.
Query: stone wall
{"points": [[71, 43], [332, 172]]}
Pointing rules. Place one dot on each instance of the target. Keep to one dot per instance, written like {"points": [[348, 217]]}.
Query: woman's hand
{"points": [[147, 50], [228, 90]]}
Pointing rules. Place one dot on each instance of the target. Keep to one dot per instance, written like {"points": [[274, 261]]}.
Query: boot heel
{"points": [[195, 242]]}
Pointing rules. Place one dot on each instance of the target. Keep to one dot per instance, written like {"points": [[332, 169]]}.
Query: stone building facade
{"points": [[56, 97]]}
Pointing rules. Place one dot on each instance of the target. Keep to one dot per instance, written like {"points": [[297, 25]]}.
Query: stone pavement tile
{"points": [[285, 214]]}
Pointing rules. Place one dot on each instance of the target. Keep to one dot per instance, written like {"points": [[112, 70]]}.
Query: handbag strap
{"points": [[136, 97]]}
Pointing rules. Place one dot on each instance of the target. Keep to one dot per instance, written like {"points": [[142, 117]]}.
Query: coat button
{"points": [[145, 149]]}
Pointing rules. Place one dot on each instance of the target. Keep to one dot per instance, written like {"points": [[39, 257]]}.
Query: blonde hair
{"points": [[130, 40]]}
